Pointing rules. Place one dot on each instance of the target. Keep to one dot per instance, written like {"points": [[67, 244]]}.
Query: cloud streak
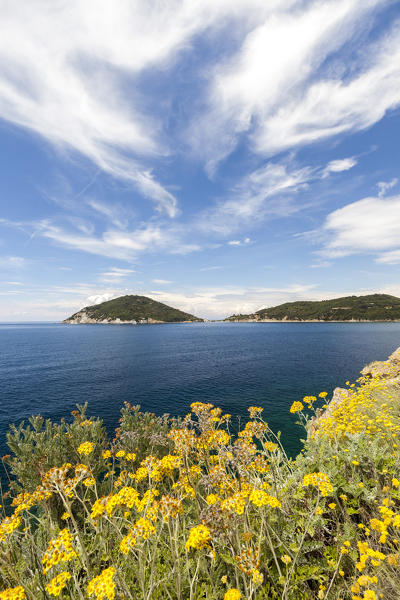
{"points": [[368, 226], [287, 87]]}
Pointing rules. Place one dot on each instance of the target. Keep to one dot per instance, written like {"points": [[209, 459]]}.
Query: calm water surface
{"points": [[48, 368]]}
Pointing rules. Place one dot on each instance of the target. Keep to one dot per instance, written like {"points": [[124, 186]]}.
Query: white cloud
{"points": [[114, 214], [389, 258], [289, 86], [243, 242], [113, 243], [213, 268], [162, 281], [115, 275], [70, 72], [99, 298], [370, 225], [336, 166], [263, 193], [117, 272], [267, 192], [384, 186], [12, 262], [323, 264]]}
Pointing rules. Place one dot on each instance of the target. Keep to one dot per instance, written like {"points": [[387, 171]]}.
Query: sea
{"points": [[47, 368]]}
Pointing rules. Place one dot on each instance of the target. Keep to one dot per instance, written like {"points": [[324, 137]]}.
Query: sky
{"points": [[217, 156]]}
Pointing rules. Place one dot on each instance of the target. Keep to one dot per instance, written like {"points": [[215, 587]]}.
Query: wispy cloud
{"points": [[213, 268], [115, 275], [68, 77], [287, 86], [337, 166], [115, 214], [12, 262], [245, 242], [117, 272], [162, 281], [323, 264], [385, 186], [261, 194], [267, 192], [125, 245], [370, 225]]}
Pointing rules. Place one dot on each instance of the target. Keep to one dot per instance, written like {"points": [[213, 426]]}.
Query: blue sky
{"points": [[218, 156]]}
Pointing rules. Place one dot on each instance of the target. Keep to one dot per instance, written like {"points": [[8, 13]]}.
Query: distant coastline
{"points": [[141, 310], [311, 321]]}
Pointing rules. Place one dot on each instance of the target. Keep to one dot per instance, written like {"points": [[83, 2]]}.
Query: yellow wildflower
{"points": [[296, 407], [58, 583], [59, 550], [319, 480], [85, 448], [16, 593], [233, 594], [103, 586], [199, 537], [89, 481]]}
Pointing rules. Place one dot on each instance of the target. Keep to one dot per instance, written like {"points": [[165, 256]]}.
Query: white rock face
{"points": [[82, 317]]}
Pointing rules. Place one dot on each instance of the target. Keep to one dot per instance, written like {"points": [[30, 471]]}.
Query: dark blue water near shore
{"points": [[48, 368]]}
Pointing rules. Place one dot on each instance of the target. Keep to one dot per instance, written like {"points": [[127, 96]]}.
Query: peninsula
{"points": [[131, 310], [375, 307]]}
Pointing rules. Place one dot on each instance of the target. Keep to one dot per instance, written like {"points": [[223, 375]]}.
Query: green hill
{"points": [[375, 307], [130, 309]]}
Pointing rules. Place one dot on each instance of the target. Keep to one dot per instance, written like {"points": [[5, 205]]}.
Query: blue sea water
{"points": [[48, 368]]}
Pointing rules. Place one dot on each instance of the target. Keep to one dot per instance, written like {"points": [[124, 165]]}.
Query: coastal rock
{"points": [[387, 368]]}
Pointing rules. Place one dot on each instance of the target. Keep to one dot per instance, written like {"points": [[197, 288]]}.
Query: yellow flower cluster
{"points": [[170, 507], [360, 410], [127, 496], [296, 407], [59, 550], [15, 593], [367, 553], [57, 479], [143, 528], [319, 480], [233, 594], [58, 583], [199, 537], [255, 411], [103, 586], [248, 562], [261, 498], [128, 542], [85, 448], [8, 525]]}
